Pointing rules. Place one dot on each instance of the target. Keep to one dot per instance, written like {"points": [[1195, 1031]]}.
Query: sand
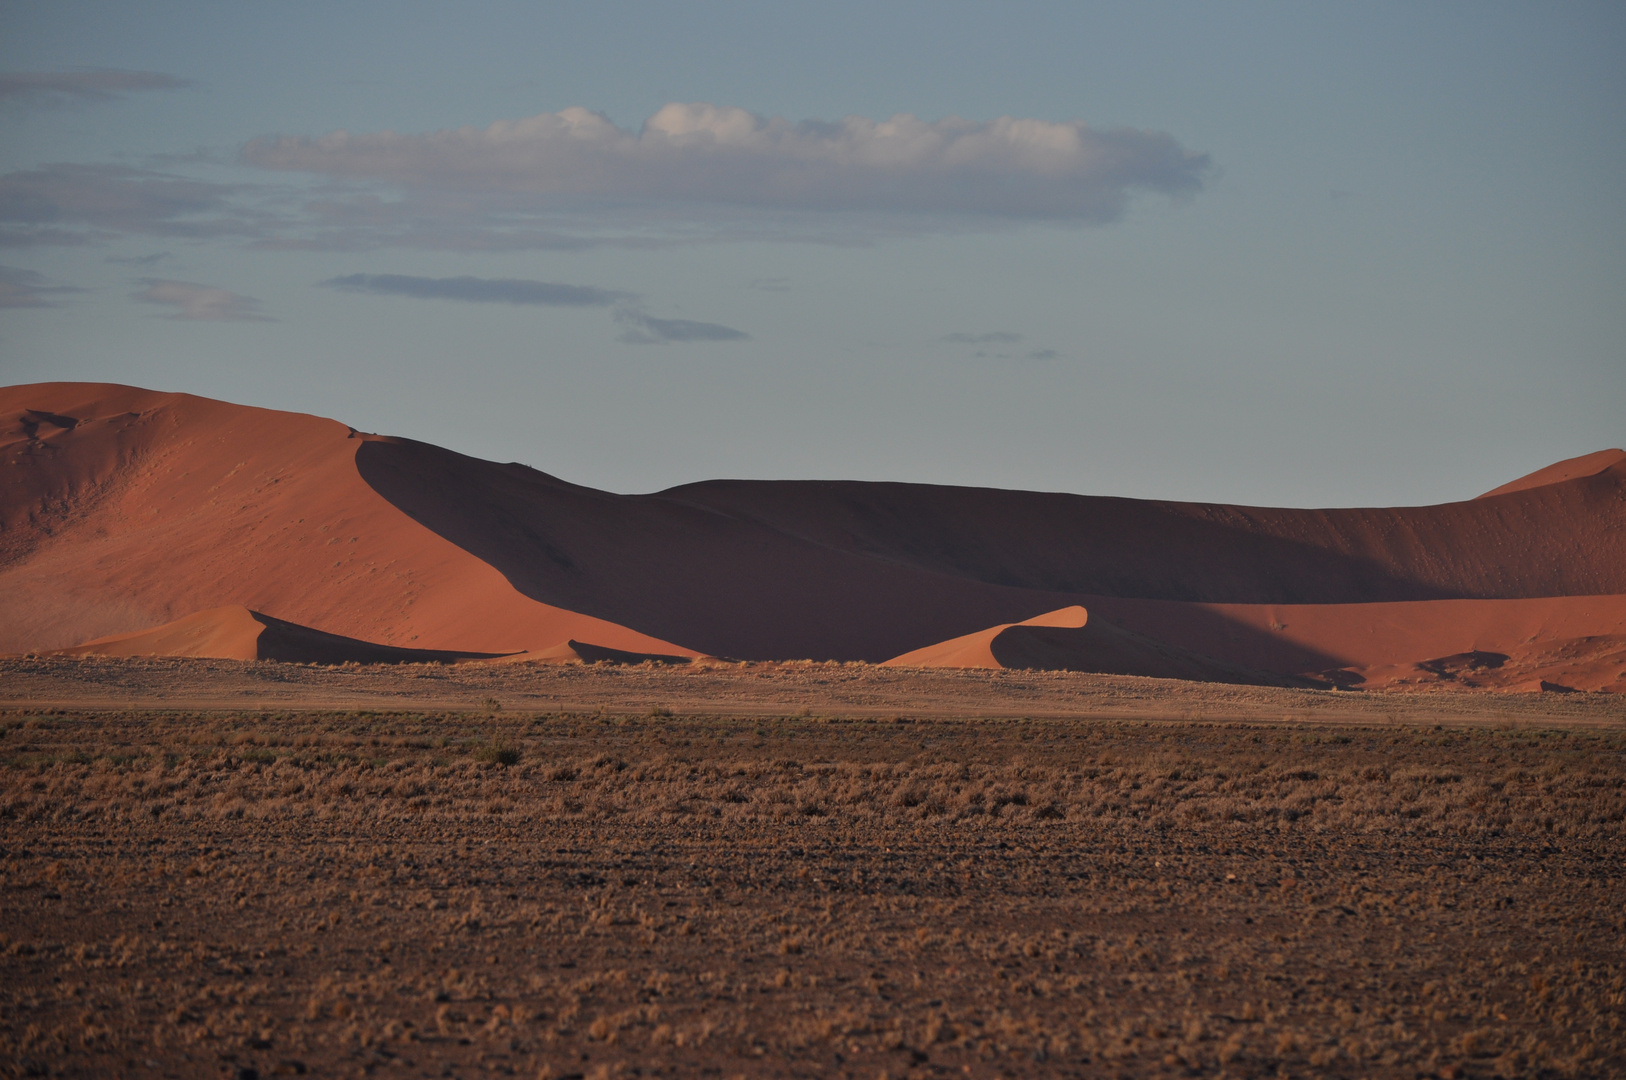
{"points": [[125, 510], [151, 507], [236, 633]]}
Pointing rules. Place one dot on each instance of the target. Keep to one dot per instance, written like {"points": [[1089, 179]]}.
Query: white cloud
{"points": [[191, 302], [703, 154]]}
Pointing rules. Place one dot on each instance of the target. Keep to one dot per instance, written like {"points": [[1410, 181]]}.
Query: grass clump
{"points": [[497, 752]]}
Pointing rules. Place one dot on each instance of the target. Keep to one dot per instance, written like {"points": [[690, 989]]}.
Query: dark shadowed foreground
{"points": [[547, 895]]}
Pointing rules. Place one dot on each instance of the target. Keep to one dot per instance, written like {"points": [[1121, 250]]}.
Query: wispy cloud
{"points": [[988, 339], [479, 290], [644, 329], [703, 154], [191, 302], [97, 84], [140, 260], [67, 203], [27, 289]]}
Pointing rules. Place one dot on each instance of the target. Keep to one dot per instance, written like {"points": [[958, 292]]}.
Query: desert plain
{"points": [[248, 869]]}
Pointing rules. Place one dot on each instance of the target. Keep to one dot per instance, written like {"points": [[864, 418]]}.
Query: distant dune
{"points": [[125, 509]]}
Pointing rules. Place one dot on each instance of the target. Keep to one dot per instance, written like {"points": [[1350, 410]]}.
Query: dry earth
{"points": [[1399, 886], [756, 689]]}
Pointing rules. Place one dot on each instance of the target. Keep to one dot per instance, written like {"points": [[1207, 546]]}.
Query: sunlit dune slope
{"points": [[1568, 469], [123, 509], [236, 633]]}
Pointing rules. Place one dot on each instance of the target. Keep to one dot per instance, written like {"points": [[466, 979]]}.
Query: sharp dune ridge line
{"points": [[136, 522]]}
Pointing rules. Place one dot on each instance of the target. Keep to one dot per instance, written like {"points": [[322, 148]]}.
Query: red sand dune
{"points": [[123, 509], [236, 633], [1069, 640]]}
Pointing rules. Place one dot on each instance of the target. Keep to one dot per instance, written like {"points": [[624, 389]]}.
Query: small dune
{"points": [[1067, 639], [236, 633]]}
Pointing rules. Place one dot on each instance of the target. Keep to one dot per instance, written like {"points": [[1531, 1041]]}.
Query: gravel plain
{"points": [[1167, 886]]}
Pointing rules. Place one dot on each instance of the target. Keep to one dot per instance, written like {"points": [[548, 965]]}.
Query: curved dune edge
{"points": [[1067, 640], [975, 650], [235, 632]]}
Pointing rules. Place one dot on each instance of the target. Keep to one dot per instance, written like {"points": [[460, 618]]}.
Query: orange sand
{"points": [[125, 509], [153, 506], [1067, 640], [236, 633]]}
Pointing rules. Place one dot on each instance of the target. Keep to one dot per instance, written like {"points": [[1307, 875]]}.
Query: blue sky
{"points": [[1278, 254]]}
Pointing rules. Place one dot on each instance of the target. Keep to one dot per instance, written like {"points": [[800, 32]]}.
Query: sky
{"points": [[1275, 254]]}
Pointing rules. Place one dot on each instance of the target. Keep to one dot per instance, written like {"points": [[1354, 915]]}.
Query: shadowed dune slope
{"points": [[1069, 640], [714, 581], [1550, 539], [1309, 637], [123, 509], [236, 633], [760, 569]]}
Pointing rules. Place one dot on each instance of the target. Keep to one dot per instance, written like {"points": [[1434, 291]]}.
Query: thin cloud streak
{"points": [[100, 84], [71, 203], [192, 302], [647, 330], [28, 289], [479, 290], [703, 154]]}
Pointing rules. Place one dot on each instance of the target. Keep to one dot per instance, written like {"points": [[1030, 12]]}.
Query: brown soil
{"points": [[1429, 887]]}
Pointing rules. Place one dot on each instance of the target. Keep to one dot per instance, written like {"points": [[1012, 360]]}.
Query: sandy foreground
{"points": [[217, 869]]}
